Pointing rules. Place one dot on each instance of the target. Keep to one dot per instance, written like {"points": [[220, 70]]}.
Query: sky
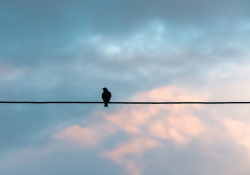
{"points": [[141, 50]]}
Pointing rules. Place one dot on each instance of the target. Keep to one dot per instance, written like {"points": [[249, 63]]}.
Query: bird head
{"points": [[105, 89]]}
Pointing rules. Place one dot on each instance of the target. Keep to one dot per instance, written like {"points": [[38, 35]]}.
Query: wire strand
{"points": [[82, 102]]}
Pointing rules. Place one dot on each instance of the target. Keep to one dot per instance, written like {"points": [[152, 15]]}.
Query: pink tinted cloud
{"points": [[145, 126], [121, 154], [80, 135], [132, 147], [180, 129], [238, 131]]}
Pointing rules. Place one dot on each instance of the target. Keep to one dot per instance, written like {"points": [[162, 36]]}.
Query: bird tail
{"points": [[105, 104]]}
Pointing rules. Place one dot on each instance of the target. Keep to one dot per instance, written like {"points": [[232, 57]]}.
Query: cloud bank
{"points": [[141, 51]]}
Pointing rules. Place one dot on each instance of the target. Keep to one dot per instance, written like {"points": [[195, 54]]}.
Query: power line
{"points": [[82, 102]]}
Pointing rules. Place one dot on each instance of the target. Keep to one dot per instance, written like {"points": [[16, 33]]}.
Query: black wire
{"points": [[82, 102]]}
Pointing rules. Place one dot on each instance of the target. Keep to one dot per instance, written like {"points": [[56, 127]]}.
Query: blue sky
{"points": [[151, 50]]}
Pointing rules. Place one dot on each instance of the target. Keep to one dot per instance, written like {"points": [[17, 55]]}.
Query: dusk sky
{"points": [[141, 50]]}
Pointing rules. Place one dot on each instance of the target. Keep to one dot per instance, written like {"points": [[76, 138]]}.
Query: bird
{"points": [[106, 96]]}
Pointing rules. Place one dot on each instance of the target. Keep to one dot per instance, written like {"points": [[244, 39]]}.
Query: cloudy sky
{"points": [[141, 50]]}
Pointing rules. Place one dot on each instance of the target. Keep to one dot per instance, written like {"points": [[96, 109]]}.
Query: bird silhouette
{"points": [[106, 96]]}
